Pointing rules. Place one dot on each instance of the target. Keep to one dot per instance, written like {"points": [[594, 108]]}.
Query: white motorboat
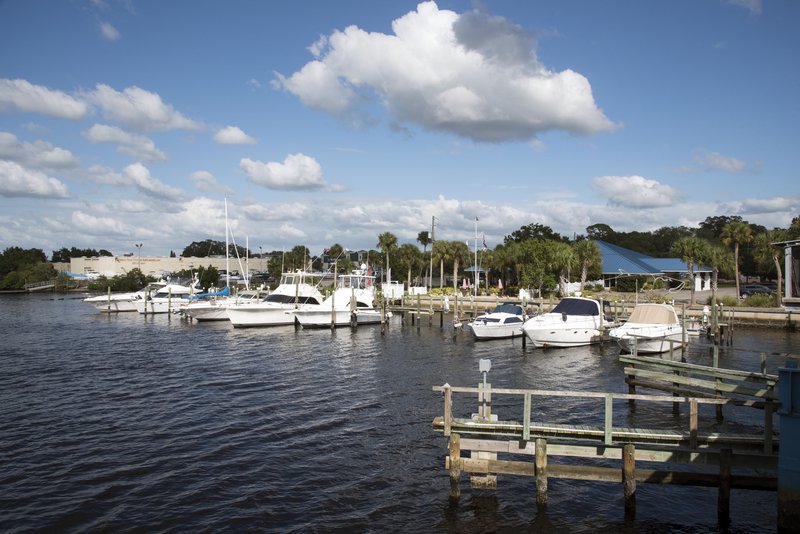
{"points": [[505, 321], [651, 329], [167, 299], [214, 306], [574, 322], [121, 302], [295, 289], [352, 303]]}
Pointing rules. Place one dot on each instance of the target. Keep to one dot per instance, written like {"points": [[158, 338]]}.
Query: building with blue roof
{"points": [[619, 261]]}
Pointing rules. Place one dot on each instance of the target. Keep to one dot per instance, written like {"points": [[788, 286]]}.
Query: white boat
{"points": [[574, 322], [121, 302], [352, 303], [214, 307], [167, 299], [295, 289], [505, 321], [651, 329]]}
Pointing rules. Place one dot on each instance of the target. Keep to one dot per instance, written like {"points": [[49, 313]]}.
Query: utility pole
{"points": [[430, 275]]}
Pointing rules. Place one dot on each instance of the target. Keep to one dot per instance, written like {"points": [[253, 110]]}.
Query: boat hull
{"points": [[576, 331], [339, 318], [494, 331], [251, 316]]}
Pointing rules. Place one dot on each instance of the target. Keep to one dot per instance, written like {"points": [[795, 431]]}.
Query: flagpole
{"points": [[475, 275]]}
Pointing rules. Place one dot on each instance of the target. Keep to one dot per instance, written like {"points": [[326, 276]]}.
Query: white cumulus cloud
{"points": [[138, 146], [17, 181], [297, 172], [139, 109], [635, 191], [139, 176], [232, 135], [473, 75], [205, 181], [23, 96], [38, 155]]}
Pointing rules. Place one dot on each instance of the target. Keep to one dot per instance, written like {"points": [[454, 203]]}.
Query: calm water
{"points": [[132, 423]]}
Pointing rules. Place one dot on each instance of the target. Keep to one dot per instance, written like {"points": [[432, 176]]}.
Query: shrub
{"points": [[760, 300], [726, 301]]}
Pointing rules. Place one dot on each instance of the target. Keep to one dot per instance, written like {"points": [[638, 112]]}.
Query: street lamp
{"points": [[139, 248]]}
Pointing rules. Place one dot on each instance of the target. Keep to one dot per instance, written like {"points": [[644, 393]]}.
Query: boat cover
{"points": [[224, 293], [573, 306], [653, 314]]}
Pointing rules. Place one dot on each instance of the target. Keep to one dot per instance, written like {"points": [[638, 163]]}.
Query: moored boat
{"points": [[295, 289], [505, 321], [574, 322], [651, 329], [352, 303]]}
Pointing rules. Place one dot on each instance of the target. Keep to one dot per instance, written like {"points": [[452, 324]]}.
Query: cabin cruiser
{"points": [[122, 302], [575, 321], [294, 290], [352, 303], [166, 299], [505, 321], [214, 306], [651, 329]]}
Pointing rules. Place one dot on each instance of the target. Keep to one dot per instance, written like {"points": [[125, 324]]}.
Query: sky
{"points": [[126, 122]]}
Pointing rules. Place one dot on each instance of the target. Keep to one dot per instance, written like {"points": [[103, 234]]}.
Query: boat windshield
{"points": [[572, 306], [513, 309], [290, 299]]}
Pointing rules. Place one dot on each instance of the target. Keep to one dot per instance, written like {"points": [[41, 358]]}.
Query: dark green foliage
{"points": [[133, 280], [64, 254], [210, 247], [534, 231]]}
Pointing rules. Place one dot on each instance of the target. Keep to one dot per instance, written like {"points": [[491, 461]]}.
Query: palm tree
{"points": [[441, 253], [562, 260], [459, 253], [720, 260], [387, 242], [410, 257], [690, 250], [424, 239], [765, 252], [738, 233], [588, 256]]}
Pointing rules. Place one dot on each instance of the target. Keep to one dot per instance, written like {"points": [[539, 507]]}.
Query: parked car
{"points": [[753, 289]]}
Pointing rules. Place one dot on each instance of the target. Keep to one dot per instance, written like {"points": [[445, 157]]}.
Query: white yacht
{"points": [[295, 289], [505, 321], [214, 306], [575, 321], [351, 303], [651, 329], [167, 299], [121, 302]]}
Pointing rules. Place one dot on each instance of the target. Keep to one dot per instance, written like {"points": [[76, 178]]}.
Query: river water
{"points": [[158, 424]]}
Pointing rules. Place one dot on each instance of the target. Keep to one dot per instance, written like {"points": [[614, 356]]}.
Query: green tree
{"points": [[210, 247], [588, 257], [720, 260], [459, 252], [424, 239], [563, 261], [410, 259], [441, 254], [690, 250], [601, 232], [712, 227], [769, 255], [387, 243], [736, 233], [534, 231]]}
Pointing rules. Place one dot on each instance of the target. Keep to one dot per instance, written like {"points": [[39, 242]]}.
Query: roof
{"points": [[618, 260]]}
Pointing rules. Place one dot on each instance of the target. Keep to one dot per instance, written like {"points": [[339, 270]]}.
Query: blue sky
{"points": [[326, 122]]}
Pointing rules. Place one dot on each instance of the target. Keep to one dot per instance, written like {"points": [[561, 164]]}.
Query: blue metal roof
{"points": [[618, 260]]}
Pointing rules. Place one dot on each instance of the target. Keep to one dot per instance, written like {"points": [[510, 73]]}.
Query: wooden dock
{"points": [[686, 456]]}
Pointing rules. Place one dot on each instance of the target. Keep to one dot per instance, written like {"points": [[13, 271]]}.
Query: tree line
{"points": [[534, 256]]}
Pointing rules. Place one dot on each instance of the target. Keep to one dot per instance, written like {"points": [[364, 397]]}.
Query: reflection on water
{"points": [[155, 423]]}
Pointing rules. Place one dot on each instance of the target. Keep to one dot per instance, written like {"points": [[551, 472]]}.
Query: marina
{"points": [[116, 420]]}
